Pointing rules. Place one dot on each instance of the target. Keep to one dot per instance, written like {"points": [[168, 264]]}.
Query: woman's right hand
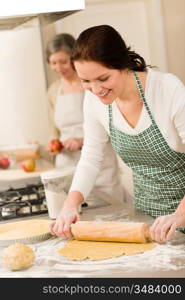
{"points": [[55, 146], [69, 214], [61, 227]]}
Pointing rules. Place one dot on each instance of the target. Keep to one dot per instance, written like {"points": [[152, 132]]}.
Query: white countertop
{"points": [[15, 177], [165, 260]]}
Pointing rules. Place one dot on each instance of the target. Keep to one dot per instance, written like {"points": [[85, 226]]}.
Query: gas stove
{"points": [[22, 202]]}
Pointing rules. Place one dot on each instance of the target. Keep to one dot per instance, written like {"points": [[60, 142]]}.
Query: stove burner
{"points": [[10, 209], [9, 195], [22, 202]]}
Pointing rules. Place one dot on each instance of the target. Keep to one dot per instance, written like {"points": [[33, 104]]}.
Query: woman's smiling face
{"points": [[61, 64], [107, 84]]}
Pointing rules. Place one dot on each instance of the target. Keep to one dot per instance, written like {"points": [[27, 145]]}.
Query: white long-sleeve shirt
{"points": [[165, 95]]}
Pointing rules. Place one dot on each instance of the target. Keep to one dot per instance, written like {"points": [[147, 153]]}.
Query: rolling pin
{"points": [[132, 232]]}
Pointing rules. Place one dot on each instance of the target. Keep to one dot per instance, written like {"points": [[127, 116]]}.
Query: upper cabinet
{"points": [[15, 13]]}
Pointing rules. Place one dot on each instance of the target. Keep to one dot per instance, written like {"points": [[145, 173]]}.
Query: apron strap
{"points": [[142, 95], [110, 114]]}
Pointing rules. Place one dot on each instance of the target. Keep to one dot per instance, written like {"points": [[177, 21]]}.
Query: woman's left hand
{"points": [[73, 144], [164, 227]]}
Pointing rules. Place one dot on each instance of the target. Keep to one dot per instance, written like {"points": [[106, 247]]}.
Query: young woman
{"points": [[142, 112], [66, 99]]}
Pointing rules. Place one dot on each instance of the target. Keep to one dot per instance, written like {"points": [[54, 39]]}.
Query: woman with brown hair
{"points": [[141, 111], [66, 101]]}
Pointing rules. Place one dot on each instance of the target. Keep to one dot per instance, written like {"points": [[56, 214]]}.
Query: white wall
{"points": [[174, 26], [120, 14], [23, 113], [140, 23]]}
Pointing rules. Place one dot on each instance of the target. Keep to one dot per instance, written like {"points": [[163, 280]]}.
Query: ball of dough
{"points": [[18, 256]]}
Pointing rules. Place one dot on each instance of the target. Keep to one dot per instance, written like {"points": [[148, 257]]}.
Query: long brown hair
{"points": [[105, 45]]}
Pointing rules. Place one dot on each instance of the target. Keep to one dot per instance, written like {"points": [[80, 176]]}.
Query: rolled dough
{"points": [[80, 250]]}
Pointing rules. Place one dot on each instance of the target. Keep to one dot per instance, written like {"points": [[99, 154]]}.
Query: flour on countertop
{"points": [[169, 256]]}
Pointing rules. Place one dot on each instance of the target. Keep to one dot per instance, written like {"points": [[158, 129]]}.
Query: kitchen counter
{"points": [[15, 177], [165, 260]]}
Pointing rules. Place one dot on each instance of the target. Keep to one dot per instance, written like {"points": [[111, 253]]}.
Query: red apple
{"points": [[55, 146], [4, 162], [28, 165]]}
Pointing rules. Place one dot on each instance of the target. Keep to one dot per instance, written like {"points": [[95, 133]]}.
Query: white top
{"points": [[65, 112], [165, 95], [68, 115]]}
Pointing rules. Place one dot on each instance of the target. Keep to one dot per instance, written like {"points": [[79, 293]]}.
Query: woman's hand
{"points": [[55, 146], [68, 215], [164, 227], [73, 144], [61, 227]]}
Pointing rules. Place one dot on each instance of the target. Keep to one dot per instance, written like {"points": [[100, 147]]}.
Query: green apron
{"points": [[158, 171]]}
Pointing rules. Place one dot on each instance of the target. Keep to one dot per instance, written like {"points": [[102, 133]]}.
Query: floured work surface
{"points": [[165, 260], [26, 231], [80, 250]]}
